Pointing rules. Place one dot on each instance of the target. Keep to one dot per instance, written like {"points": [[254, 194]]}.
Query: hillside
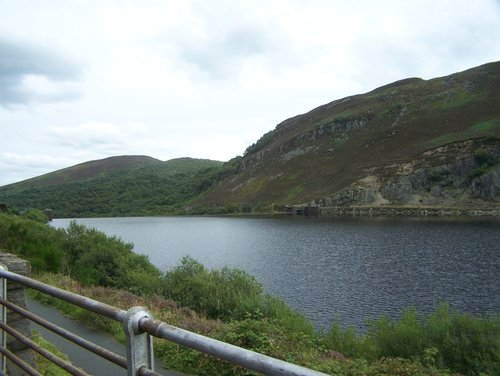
{"points": [[127, 185], [412, 142], [88, 170]]}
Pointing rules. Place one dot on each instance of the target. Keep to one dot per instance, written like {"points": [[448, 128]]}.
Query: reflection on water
{"points": [[348, 268]]}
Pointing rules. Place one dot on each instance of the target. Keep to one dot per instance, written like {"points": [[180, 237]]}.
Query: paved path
{"points": [[79, 356]]}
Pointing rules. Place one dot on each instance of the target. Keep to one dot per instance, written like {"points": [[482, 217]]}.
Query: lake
{"points": [[345, 268]]}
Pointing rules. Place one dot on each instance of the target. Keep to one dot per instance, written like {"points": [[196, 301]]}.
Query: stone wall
{"points": [[16, 294]]}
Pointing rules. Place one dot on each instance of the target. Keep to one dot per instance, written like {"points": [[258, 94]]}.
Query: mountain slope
{"points": [[116, 186], [412, 142], [89, 170]]}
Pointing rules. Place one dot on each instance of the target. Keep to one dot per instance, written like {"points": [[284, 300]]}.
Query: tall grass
{"points": [[444, 339]]}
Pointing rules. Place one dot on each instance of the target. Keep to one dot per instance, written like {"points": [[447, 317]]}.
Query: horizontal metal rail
{"points": [[222, 350], [47, 354], [103, 309], [98, 350], [19, 362], [145, 324]]}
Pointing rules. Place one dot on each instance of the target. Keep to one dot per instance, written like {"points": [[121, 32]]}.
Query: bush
{"points": [[460, 342], [96, 259], [228, 294], [35, 241], [222, 294], [345, 341], [402, 338], [464, 343], [35, 215]]}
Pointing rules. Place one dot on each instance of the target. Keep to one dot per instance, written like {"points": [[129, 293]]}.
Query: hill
{"points": [[116, 186], [88, 170], [410, 143]]}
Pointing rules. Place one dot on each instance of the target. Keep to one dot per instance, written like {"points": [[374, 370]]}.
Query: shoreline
{"points": [[342, 211], [402, 211]]}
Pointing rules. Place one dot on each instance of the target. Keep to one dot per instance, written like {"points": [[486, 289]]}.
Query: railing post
{"points": [[3, 319], [17, 295], [139, 344]]}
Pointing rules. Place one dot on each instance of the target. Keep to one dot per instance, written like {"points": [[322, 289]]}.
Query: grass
{"points": [[43, 365], [489, 128], [293, 192], [492, 125]]}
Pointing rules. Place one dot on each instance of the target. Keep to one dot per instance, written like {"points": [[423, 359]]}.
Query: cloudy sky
{"points": [[83, 80]]}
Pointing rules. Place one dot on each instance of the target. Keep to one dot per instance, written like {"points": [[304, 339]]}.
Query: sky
{"points": [[82, 80]]}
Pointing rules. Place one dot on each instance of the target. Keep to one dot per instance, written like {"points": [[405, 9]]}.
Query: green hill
{"points": [[414, 142], [117, 186]]}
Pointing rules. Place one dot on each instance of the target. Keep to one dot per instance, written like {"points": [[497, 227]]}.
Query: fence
{"points": [[139, 328]]}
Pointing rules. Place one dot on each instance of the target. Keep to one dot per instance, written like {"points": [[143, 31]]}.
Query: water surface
{"points": [[345, 268]]}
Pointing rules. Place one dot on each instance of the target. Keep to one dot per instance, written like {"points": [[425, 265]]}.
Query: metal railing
{"points": [[139, 327]]}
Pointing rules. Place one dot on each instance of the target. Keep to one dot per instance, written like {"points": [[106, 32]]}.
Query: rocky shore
{"points": [[391, 211]]}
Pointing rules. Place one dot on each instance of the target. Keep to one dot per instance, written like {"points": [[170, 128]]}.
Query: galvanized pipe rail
{"points": [[139, 326], [90, 346]]}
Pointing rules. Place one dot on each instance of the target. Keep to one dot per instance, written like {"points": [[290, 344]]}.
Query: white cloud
{"points": [[16, 167], [100, 137], [31, 73]]}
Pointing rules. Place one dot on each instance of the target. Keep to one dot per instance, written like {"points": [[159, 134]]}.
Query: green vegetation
{"points": [[157, 189], [484, 163], [44, 366], [230, 305], [485, 129], [266, 139], [32, 240], [491, 125], [93, 258], [293, 192]]}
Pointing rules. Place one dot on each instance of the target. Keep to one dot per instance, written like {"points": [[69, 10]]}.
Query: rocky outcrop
{"points": [[471, 177], [487, 186]]}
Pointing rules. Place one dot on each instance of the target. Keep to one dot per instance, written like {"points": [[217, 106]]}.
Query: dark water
{"points": [[345, 268]]}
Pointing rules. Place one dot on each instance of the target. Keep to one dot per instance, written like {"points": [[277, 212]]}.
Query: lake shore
{"points": [[406, 211]]}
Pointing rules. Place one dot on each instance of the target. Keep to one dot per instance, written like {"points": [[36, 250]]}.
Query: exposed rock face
{"points": [[474, 175], [487, 186]]}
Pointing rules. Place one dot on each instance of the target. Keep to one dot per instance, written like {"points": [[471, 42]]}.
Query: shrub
{"points": [[223, 294], [228, 294], [35, 241], [35, 215], [402, 338], [96, 259], [460, 342], [345, 341], [483, 158], [464, 343]]}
